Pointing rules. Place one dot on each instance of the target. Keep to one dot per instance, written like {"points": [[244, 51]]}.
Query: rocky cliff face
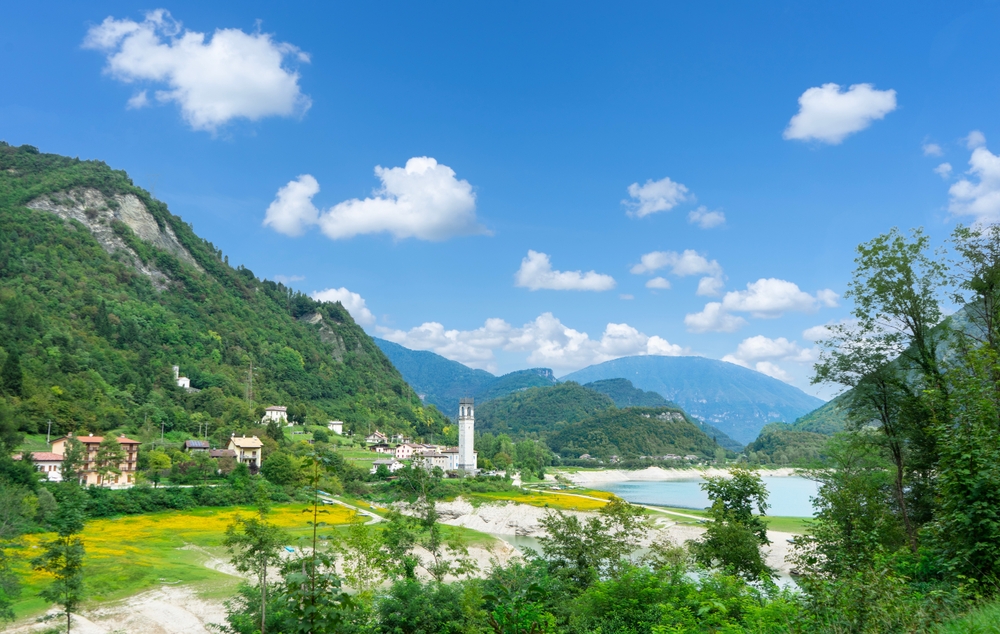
{"points": [[97, 212]]}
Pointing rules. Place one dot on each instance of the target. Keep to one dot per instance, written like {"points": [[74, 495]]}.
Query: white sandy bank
{"points": [[656, 474]]}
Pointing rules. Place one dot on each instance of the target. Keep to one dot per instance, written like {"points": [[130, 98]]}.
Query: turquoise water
{"points": [[787, 496]]}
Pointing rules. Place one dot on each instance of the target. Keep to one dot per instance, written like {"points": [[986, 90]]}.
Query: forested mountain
{"points": [[785, 445], [102, 290], [441, 382], [734, 399], [624, 394], [630, 433], [540, 409]]}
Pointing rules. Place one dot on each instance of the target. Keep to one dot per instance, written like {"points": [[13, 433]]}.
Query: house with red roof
{"points": [[90, 476]]}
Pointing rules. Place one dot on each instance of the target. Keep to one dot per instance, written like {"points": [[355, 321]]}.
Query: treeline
{"points": [[88, 341]]}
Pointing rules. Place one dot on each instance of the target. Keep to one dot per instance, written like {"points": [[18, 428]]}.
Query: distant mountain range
{"points": [[441, 382], [734, 399]]}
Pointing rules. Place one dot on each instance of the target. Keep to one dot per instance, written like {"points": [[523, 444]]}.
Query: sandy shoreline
{"points": [[656, 474]]}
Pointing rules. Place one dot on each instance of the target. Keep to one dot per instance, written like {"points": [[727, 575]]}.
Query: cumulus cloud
{"points": [[766, 298], [213, 79], [932, 149], [975, 139], [713, 319], [770, 297], [829, 114], [978, 194], [353, 302], [821, 332], [286, 279], [536, 273], [658, 282], [762, 354], [422, 200], [943, 170], [706, 219], [710, 286], [689, 262], [546, 339], [654, 196]]}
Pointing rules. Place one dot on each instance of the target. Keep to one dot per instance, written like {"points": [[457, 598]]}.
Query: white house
{"points": [[431, 459], [249, 451], [336, 426], [406, 451], [48, 463], [275, 412], [391, 463], [182, 381], [376, 438]]}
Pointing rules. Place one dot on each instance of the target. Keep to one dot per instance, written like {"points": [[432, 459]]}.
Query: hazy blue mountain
{"points": [[734, 399], [441, 382], [624, 394]]}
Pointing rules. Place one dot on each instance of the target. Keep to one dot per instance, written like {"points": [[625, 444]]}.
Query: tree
{"points": [[74, 460], [11, 376], [281, 469], [64, 555], [733, 539], [254, 544], [108, 460]]}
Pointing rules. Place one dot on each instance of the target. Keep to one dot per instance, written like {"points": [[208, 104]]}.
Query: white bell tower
{"points": [[466, 435]]}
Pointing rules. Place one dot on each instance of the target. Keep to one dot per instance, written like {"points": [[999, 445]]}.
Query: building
{"points": [[248, 451], [336, 426], [90, 476], [182, 381], [221, 453], [406, 451], [383, 447], [466, 459], [431, 459], [275, 412], [377, 438], [48, 463], [194, 446], [391, 463]]}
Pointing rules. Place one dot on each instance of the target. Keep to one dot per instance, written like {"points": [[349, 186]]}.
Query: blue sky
{"points": [[743, 150]]}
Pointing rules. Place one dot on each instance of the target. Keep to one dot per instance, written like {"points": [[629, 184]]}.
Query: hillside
{"points": [[734, 399], [102, 290], [540, 409], [630, 433], [624, 394], [828, 419], [441, 382], [784, 445]]}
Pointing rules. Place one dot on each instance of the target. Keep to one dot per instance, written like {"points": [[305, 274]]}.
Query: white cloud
{"points": [[710, 286], [422, 200], [474, 348], [215, 79], [706, 219], [770, 297], [658, 282], [761, 353], [138, 100], [689, 262], [292, 211], [817, 333], [943, 170], [932, 149], [828, 114], [287, 279], [536, 273], [978, 199], [654, 196], [546, 339], [626, 296], [713, 319], [353, 302], [975, 139]]}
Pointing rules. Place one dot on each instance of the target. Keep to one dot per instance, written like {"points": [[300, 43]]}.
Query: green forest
{"points": [[88, 341]]}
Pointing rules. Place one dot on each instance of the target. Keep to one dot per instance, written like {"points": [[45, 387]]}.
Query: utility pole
{"points": [[48, 435]]}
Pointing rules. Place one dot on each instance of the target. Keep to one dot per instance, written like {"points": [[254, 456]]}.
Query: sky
{"points": [[535, 184]]}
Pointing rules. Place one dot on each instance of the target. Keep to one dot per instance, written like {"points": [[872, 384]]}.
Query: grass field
{"points": [[796, 525], [544, 499], [983, 620], [130, 554]]}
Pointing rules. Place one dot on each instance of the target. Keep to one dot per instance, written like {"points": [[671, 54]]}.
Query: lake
{"points": [[788, 496]]}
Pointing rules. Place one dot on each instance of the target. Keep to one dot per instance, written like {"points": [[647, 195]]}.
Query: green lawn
{"points": [[796, 525]]}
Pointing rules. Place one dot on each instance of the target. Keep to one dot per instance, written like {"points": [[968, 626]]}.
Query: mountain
{"points": [[828, 419], [734, 399], [630, 433], [441, 382], [624, 394], [102, 290], [784, 445], [540, 410]]}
